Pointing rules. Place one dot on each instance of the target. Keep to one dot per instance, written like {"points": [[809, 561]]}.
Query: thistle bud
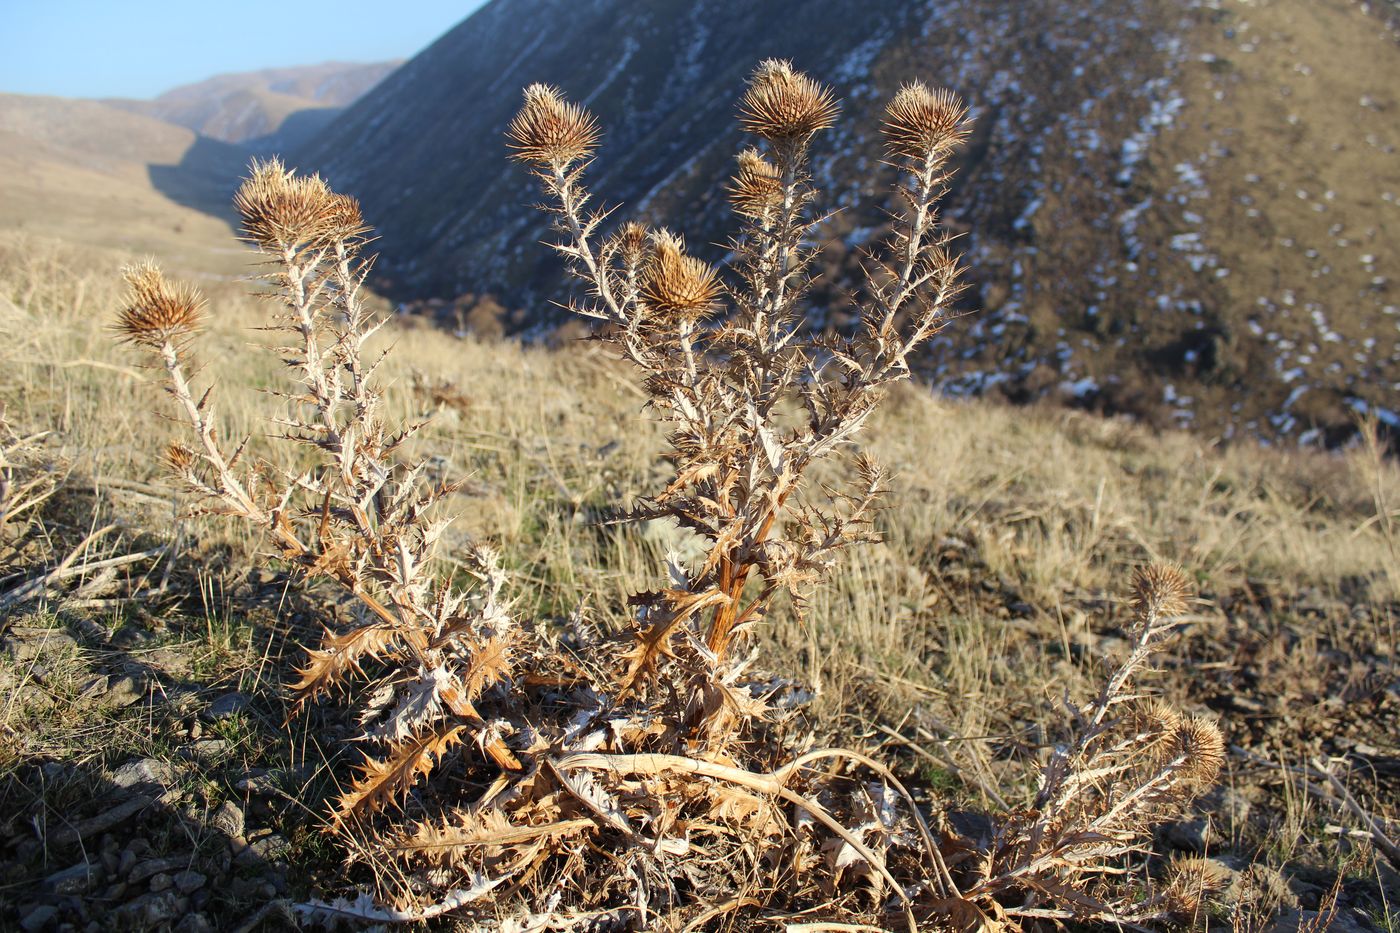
{"points": [[1203, 747], [550, 130], [158, 312], [630, 241], [283, 211], [920, 122], [677, 283], [785, 106], [180, 459], [756, 190], [1160, 591]]}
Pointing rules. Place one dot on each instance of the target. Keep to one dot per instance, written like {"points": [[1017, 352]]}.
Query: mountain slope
{"points": [[272, 109], [1104, 232], [82, 171]]}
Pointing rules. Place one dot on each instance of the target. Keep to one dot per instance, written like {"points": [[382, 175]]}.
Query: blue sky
{"points": [[135, 48]]}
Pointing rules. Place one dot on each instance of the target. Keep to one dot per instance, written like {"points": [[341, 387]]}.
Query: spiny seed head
{"points": [[1155, 721], [344, 220], [920, 122], [676, 283], [1160, 590], [282, 210], [551, 131], [785, 106], [180, 458], [158, 312], [1203, 747], [630, 241], [756, 190]]}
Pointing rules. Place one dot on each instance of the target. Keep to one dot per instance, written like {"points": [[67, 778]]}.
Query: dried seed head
{"points": [[180, 459], [756, 190], [343, 220], [1155, 721], [282, 210], [631, 242], [550, 130], [677, 283], [158, 312], [1204, 749], [1160, 591], [1190, 880], [785, 106], [920, 122]]}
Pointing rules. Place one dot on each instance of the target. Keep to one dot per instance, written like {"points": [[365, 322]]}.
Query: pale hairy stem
{"points": [[926, 195]]}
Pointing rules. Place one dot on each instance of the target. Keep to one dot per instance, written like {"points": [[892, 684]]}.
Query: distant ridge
{"points": [[272, 109]]}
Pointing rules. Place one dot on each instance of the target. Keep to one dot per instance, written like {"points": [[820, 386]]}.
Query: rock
{"points": [[1271, 883], [38, 918], [206, 751], [1306, 921], [79, 879], [1189, 835], [28, 644], [157, 866], [149, 910], [144, 774], [127, 691], [194, 923], [160, 882], [228, 819], [187, 882], [267, 849], [230, 704]]}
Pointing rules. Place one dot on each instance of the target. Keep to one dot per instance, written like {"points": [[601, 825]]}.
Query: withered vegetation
{"points": [[532, 777]]}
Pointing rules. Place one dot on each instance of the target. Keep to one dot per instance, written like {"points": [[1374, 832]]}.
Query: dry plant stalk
{"points": [[647, 782]]}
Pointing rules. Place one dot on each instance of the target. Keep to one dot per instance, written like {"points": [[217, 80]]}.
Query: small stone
{"points": [[1189, 835], [160, 882], [206, 751], [1302, 921], [157, 866], [78, 879], [39, 918], [148, 910], [144, 773], [229, 704], [126, 863], [228, 819], [28, 644], [188, 881], [194, 923], [127, 691]]}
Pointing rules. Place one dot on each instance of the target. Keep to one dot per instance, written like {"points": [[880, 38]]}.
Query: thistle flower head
{"points": [[676, 283], [785, 106], [158, 312], [283, 211], [343, 220], [1203, 747], [1155, 721], [630, 241], [756, 189], [550, 130], [180, 458], [921, 122], [1160, 591]]}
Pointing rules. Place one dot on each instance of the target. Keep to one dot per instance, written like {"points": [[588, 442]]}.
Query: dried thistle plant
{"points": [[535, 784]]}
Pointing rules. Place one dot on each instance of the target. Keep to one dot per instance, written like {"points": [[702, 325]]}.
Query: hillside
{"points": [[1180, 211], [275, 109], [89, 173], [148, 772]]}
